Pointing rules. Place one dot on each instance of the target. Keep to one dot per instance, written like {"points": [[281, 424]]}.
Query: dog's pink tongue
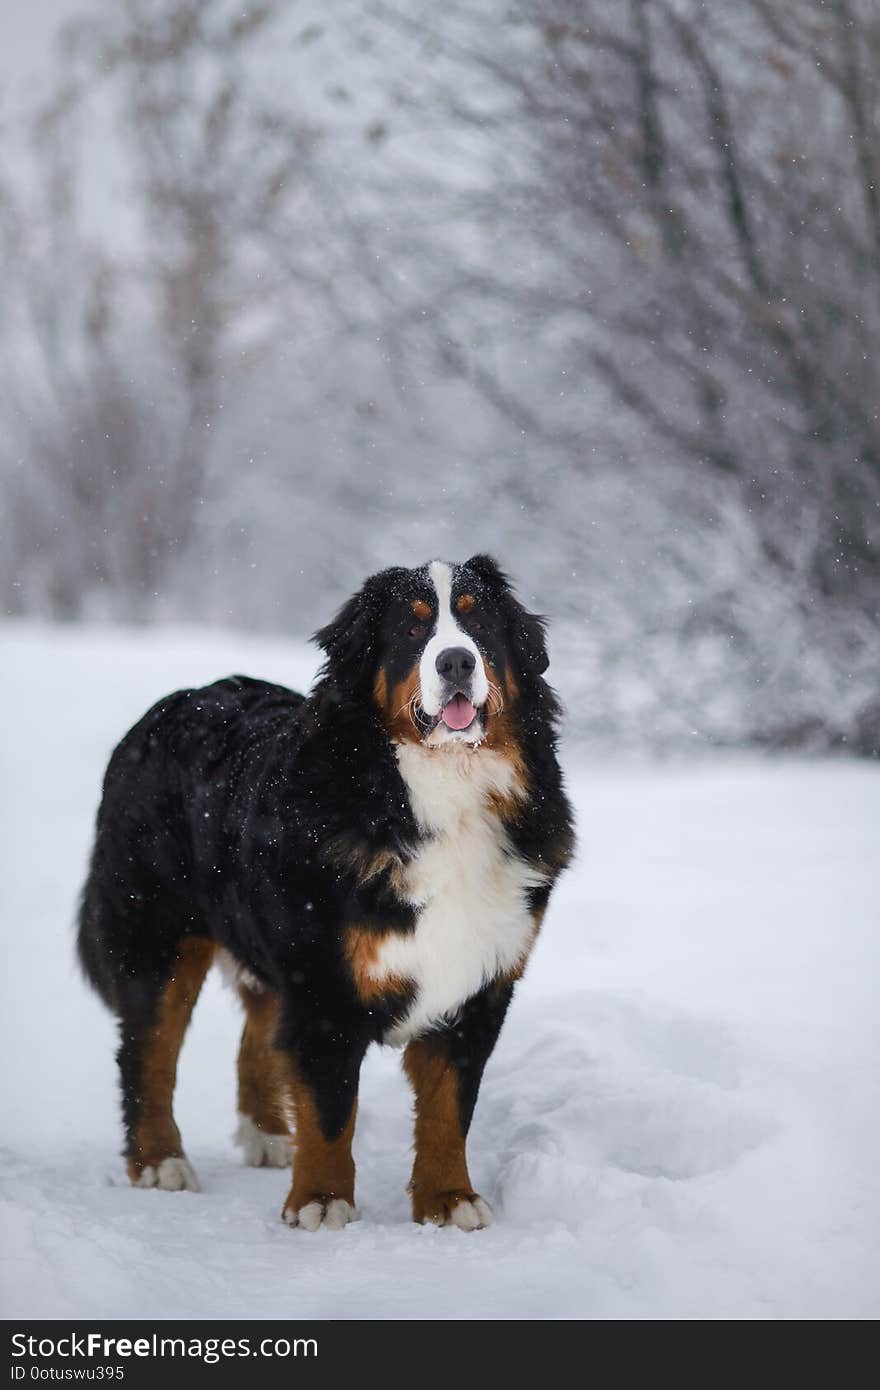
{"points": [[459, 713]]}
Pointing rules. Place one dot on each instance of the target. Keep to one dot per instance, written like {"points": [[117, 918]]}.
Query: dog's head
{"points": [[442, 650]]}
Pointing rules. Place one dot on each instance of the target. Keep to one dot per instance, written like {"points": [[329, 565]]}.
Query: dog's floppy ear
{"points": [[526, 630], [349, 639]]}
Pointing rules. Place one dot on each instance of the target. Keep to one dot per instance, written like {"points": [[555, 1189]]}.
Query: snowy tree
{"points": [[592, 284], [136, 364]]}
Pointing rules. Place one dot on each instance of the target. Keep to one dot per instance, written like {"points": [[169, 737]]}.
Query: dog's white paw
{"points": [[332, 1213], [471, 1215], [171, 1175], [466, 1210], [262, 1150]]}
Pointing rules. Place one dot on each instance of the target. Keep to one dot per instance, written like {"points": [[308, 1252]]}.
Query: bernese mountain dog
{"points": [[368, 863]]}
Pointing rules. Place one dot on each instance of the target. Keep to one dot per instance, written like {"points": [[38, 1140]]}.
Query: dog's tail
{"points": [[91, 943]]}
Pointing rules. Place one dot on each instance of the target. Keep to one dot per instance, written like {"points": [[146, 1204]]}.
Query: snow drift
{"points": [[680, 1119]]}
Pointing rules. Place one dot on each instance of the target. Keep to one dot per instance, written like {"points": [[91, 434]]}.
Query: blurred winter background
{"points": [[293, 291]]}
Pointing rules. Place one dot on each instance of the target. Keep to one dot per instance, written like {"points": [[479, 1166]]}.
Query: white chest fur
{"points": [[470, 891]]}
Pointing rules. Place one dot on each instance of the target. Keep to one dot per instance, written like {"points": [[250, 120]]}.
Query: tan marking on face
{"points": [[465, 603], [156, 1135], [261, 1067], [422, 610], [396, 704], [501, 736], [440, 1176], [361, 951], [323, 1168]]}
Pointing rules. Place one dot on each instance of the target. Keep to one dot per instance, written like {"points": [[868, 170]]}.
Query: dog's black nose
{"points": [[455, 664]]}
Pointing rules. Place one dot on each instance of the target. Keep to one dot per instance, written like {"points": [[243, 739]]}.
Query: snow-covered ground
{"points": [[681, 1118]]}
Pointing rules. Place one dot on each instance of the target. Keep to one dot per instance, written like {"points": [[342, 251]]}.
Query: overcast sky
{"points": [[28, 30]]}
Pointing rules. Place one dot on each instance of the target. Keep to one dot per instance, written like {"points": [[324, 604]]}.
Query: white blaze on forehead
{"points": [[447, 634], [441, 575]]}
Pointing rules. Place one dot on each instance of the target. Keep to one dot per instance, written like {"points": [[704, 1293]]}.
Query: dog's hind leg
{"points": [[263, 1132], [152, 1026]]}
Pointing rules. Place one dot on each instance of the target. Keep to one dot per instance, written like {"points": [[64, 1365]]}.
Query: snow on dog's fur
{"points": [[371, 863]]}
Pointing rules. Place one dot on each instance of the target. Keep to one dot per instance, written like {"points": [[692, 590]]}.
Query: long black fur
{"points": [[229, 812]]}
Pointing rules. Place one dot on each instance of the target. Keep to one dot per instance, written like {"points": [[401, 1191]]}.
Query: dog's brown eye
{"points": [[417, 629]]}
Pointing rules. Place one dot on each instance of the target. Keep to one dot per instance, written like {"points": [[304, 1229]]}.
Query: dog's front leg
{"points": [[445, 1069], [322, 1086]]}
